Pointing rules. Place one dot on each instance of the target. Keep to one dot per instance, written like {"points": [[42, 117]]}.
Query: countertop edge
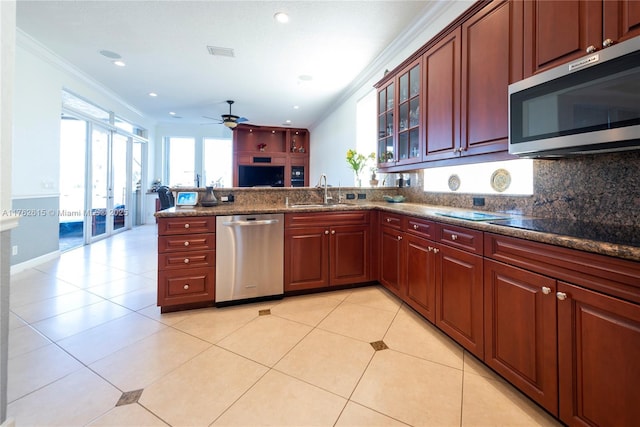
{"points": [[429, 212]]}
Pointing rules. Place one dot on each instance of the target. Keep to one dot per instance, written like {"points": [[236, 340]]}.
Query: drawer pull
{"points": [[416, 226], [326, 231], [388, 219], [186, 260], [399, 237], [186, 243], [454, 237], [561, 296], [333, 231], [546, 290], [436, 250], [186, 225], [186, 287], [430, 248]]}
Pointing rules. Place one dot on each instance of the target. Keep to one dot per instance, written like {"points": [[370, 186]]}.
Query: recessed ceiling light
{"points": [[281, 17], [119, 63], [305, 78], [172, 113], [110, 54], [296, 107], [153, 94]]}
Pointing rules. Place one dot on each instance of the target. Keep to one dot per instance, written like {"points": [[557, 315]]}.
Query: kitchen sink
{"points": [[319, 205]]}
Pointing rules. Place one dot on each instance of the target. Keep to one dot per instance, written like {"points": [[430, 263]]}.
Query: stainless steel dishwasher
{"points": [[249, 257]]}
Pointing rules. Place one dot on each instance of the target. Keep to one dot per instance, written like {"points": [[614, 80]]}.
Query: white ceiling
{"points": [[164, 45]]}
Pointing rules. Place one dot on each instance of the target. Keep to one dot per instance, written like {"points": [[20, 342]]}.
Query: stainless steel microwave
{"points": [[591, 105]]}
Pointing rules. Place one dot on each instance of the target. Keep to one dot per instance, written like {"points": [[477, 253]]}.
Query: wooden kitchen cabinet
{"points": [[520, 330], [273, 146], [328, 249], [459, 297], [421, 273], [597, 328], [420, 262], [491, 60], [391, 260], [186, 262], [557, 32], [442, 98], [386, 125], [399, 118], [598, 353], [467, 75], [465, 72]]}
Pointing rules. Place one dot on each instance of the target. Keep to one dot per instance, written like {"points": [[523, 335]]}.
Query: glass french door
{"points": [[109, 191], [99, 188]]}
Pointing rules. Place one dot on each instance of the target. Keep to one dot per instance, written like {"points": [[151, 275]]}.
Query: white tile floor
{"points": [[85, 328]]}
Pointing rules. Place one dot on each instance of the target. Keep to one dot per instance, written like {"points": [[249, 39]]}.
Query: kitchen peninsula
{"points": [[554, 314]]}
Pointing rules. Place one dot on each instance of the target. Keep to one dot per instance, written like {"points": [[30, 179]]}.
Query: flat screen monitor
{"points": [[261, 176]]}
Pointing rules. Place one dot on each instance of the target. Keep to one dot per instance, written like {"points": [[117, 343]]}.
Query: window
{"points": [[513, 177], [181, 162], [218, 162]]}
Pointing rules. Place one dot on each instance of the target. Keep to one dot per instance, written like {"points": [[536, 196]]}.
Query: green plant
{"points": [[358, 161]]}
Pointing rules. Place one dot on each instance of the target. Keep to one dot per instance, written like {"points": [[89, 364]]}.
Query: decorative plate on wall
{"points": [[454, 182], [500, 180]]}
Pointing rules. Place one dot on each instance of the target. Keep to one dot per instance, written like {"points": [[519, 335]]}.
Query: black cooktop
{"points": [[619, 235]]}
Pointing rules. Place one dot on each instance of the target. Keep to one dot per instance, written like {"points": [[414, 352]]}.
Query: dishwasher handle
{"points": [[248, 223]]}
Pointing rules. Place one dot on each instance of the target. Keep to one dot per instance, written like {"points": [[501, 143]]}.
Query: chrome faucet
{"points": [[326, 198]]}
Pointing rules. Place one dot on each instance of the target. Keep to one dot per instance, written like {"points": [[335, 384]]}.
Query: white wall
{"points": [[334, 134], [40, 77]]}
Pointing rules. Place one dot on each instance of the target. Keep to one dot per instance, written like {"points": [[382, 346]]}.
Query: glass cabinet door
{"points": [[386, 148], [409, 115]]}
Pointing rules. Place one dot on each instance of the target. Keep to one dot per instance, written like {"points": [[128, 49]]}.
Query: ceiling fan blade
{"points": [[242, 119]]}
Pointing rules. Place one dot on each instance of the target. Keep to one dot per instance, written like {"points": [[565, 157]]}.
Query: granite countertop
{"points": [[594, 245]]}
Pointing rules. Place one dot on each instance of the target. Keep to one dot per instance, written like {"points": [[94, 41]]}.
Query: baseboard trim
{"points": [[34, 262]]}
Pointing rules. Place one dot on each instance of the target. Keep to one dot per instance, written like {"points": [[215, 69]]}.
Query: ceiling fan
{"points": [[229, 120]]}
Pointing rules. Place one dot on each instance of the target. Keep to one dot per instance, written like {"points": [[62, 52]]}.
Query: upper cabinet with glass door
{"points": [[409, 147], [386, 140], [399, 141]]}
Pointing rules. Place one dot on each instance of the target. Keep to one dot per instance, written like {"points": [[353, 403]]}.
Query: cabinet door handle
{"points": [[333, 231], [186, 260], [186, 225], [454, 237], [416, 226], [326, 231], [429, 248], [399, 237], [436, 250], [186, 243], [561, 296], [185, 287], [607, 43], [546, 290], [591, 49], [388, 219]]}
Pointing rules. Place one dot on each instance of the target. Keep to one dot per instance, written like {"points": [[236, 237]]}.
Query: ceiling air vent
{"points": [[220, 51]]}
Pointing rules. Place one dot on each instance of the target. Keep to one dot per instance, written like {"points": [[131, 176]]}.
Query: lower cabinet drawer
{"points": [[186, 286], [182, 260], [195, 242]]}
